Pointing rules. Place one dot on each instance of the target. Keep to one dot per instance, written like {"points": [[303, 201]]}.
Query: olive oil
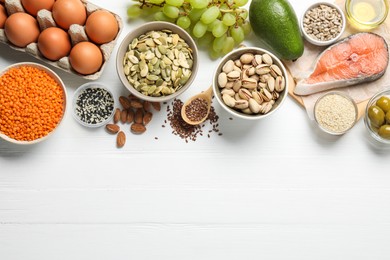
{"points": [[366, 14]]}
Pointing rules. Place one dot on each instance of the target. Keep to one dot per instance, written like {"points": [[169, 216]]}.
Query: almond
{"points": [[156, 106], [125, 102], [130, 116], [147, 118], [137, 128], [146, 105], [138, 118], [124, 116], [136, 104], [117, 115], [120, 139], [112, 128]]}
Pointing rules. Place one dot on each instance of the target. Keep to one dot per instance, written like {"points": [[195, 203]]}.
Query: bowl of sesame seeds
{"points": [[335, 113], [93, 104]]}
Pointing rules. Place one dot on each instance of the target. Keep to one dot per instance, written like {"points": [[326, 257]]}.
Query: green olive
{"points": [[384, 131], [376, 115], [387, 117], [384, 103]]}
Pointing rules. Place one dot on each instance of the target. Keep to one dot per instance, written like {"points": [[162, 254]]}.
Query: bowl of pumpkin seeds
{"points": [[157, 61]]}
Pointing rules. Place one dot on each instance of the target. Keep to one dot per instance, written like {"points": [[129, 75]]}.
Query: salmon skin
{"points": [[361, 57]]}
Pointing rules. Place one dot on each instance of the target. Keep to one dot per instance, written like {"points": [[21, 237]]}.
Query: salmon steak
{"points": [[361, 57]]}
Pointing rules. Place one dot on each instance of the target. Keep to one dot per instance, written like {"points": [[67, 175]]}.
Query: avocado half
{"points": [[275, 24]]}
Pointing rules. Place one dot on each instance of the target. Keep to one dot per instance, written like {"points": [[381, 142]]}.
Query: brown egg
{"points": [[68, 12], [33, 6], [21, 29], [3, 16], [86, 58], [101, 27], [54, 43]]}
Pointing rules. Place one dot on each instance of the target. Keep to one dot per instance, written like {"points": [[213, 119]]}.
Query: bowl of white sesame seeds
{"points": [[335, 113]]}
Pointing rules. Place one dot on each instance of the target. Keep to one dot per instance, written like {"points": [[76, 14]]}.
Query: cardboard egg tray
{"points": [[76, 32]]}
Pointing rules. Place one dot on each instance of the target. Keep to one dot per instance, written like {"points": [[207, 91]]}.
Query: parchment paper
{"points": [[304, 66]]}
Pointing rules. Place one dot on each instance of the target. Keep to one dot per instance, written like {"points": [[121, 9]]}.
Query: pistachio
{"points": [[228, 100], [233, 75], [246, 58], [229, 92], [222, 80], [228, 67], [244, 94], [267, 59], [241, 104], [249, 83], [254, 106]]}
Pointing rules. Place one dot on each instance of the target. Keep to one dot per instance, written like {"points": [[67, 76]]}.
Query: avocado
{"points": [[275, 23]]}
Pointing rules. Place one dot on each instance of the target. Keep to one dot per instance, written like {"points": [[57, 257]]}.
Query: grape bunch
{"points": [[219, 25]]}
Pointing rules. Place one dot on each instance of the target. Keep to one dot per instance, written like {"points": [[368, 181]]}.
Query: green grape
{"points": [[210, 15], [237, 33], [228, 45], [228, 19], [246, 26], [184, 22], [176, 3], [206, 40], [199, 29], [195, 14], [171, 11], [160, 16], [219, 42], [199, 4], [224, 7], [219, 29], [155, 2], [212, 25], [133, 11], [244, 14], [240, 3], [214, 54]]}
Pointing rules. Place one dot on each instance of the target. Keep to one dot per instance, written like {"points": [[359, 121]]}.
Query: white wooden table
{"points": [[271, 189]]}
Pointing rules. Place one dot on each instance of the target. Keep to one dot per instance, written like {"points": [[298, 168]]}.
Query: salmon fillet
{"points": [[361, 57]]}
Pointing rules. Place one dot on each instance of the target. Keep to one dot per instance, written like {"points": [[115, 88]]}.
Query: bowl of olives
{"points": [[377, 116]]}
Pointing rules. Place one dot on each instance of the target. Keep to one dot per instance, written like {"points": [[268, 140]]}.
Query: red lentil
{"points": [[31, 103]]}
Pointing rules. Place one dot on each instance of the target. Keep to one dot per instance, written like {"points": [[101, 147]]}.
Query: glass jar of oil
{"points": [[366, 15]]}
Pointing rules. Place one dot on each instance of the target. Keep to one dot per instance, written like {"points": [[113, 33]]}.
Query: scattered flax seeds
{"points": [[335, 113], [186, 131]]}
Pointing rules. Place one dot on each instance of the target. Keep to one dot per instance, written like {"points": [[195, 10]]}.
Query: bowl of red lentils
{"points": [[32, 103]]}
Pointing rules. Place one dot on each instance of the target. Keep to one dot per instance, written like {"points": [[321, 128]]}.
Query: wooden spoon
{"points": [[205, 95]]}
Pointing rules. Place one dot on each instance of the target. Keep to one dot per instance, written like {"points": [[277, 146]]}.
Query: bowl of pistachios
{"points": [[157, 61], [250, 83]]}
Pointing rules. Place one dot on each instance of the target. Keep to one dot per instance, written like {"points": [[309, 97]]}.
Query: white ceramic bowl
{"points": [[80, 90], [155, 26], [235, 55], [318, 42], [57, 79]]}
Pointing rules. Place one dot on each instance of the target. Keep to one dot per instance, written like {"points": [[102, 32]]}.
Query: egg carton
{"points": [[76, 32]]}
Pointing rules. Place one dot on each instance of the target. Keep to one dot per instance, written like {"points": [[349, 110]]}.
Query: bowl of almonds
{"points": [[157, 61], [250, 83]]}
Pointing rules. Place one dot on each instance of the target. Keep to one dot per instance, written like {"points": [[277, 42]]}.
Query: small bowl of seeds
{"points": [[323, 23], [335, 112], [250, 83], [157, 61], [93, 105]]}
